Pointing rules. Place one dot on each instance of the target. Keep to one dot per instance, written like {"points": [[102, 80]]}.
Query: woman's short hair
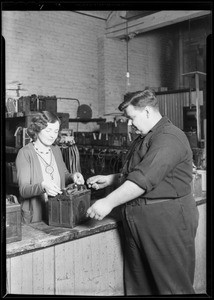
{"points": [[40, 121], [139, 99]]}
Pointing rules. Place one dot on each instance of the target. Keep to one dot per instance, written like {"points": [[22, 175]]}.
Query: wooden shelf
{"points": [[13, 185], [12, 150], [98, 120], [83, 120], [16, 117]]}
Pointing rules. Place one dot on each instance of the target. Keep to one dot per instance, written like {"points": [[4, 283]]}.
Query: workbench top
{"points": [[39, 235]]}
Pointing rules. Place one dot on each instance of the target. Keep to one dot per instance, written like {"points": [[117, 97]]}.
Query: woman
{"points": [[41, 171]]}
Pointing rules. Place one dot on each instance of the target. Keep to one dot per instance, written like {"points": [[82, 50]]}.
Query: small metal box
{"points": [[64, 118], [27, 103], [106, 127], [13, 220], [69, 209], [48, 103], [34, 103]]}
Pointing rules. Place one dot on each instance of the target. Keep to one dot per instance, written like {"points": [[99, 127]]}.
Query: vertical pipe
{"points": [[181, 80], [198, 107]]}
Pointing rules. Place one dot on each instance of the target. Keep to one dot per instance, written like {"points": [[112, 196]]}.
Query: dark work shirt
{"points": [[161, 162]]}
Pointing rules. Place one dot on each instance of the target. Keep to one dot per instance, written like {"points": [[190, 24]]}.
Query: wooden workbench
{"points": [[85, 260]]}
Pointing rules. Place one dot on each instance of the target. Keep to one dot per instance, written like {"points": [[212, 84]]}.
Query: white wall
{"points": [[66, 54]]}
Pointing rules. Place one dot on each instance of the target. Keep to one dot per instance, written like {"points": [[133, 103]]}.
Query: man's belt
{"points": [[147, 201], [154, 201]]}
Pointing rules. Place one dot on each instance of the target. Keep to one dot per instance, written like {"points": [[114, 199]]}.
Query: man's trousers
{"points": [[160, 246]]}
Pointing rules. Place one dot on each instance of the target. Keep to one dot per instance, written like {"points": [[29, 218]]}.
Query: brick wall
{"points": [[67, 54], [144, 64], [54, 53]]}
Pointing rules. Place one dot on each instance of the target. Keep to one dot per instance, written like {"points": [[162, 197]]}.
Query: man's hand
{"points": [[98, 181], [99, 209]]}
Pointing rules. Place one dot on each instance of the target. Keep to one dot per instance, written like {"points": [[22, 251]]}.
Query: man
{"points": [[160, 215]]}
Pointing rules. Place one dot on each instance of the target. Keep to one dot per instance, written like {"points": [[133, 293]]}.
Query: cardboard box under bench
{"points": [[13, 223]]}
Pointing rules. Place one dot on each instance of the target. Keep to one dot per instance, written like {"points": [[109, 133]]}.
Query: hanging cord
{"points": [[127, 55], [77, 158], [91, 161], [85, 162], [127, 48], [74, 158], [189, 66], [65, 155], [112, 162], [71, 157], [71, 160], [101, 160]]}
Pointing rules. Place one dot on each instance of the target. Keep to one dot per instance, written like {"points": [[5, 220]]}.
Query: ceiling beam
{"points": [[115, 18], [117, 28], [94, 14]]}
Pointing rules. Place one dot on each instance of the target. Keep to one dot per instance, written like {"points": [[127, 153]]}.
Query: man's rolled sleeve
{"points": [[139, 178], [164, 154]]}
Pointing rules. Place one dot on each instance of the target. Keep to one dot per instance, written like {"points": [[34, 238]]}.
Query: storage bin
{"points": [[13, 219], [203, 174], [197, 185]]}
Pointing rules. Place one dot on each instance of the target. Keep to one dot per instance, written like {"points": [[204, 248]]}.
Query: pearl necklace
{"points": [[37, 149]]}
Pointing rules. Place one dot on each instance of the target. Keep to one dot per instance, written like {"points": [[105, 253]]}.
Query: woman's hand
{"points": [[78, 178], [99, 209], [51, 188]]}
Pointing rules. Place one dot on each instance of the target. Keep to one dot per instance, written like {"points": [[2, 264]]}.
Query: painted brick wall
{"points": [[144, 66], [67, 54], [54, 53]]}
